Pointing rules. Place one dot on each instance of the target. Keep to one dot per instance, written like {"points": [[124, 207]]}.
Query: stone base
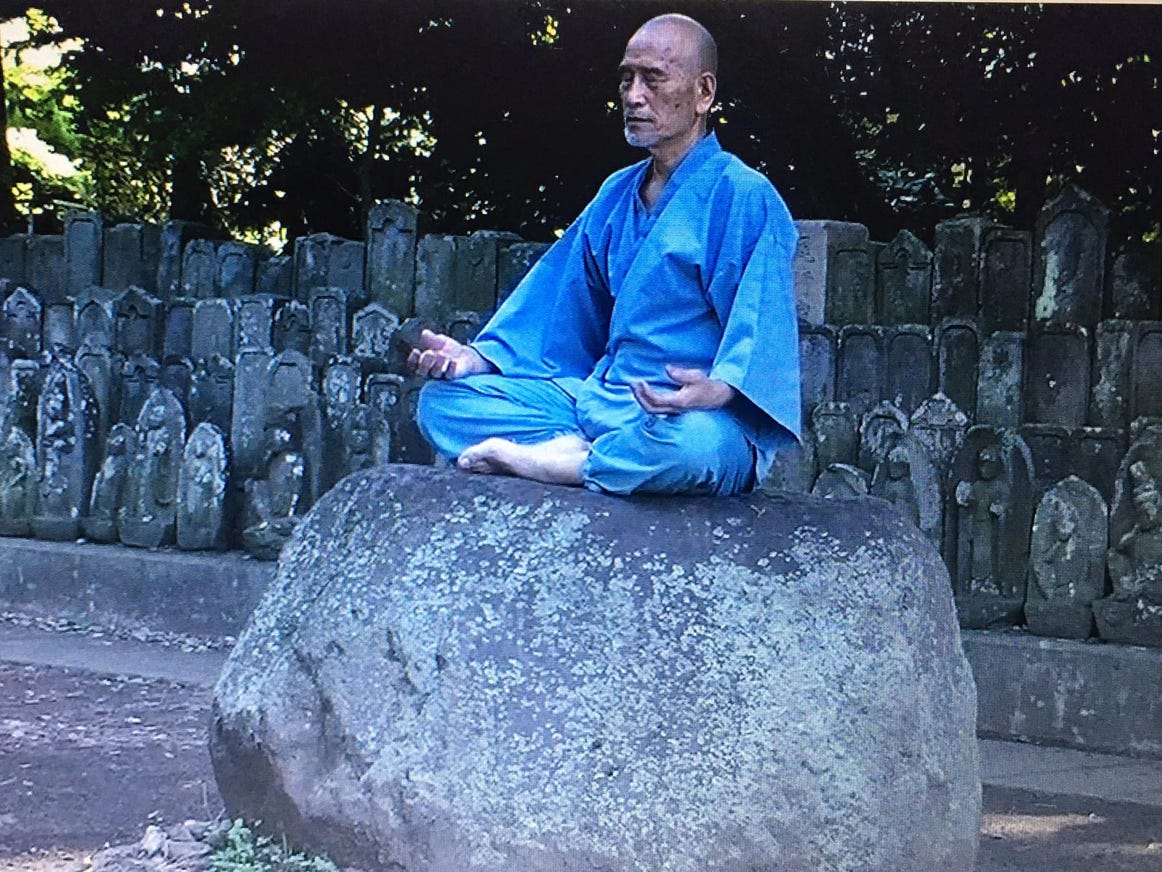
{"points": [[56, 529], [980, 612], [1059, 620], [1134, 623], [147, 534], [100, 529], [15, 528]]}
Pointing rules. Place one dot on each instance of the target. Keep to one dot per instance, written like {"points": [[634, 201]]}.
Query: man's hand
{"points": [[440, 356], [697, 391]]}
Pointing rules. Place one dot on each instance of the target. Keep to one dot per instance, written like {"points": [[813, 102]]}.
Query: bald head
{"points": [[697, 47]]}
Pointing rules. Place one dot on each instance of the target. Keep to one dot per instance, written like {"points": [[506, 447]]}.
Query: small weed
{"points": [[244, 851]]}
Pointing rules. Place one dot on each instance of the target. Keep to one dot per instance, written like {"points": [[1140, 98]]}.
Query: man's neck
{"points": [[667, 157]]}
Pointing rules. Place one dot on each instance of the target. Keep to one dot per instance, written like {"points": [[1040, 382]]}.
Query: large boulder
{"points": [[472, 674]]}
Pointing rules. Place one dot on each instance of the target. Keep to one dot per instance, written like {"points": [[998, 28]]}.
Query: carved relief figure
{"points": [[17, 482], [1135, 560], [986, 500], [273, 502], [109, 485]]}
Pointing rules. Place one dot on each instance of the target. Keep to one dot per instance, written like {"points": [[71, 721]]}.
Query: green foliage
{"points": [[244, 851]]}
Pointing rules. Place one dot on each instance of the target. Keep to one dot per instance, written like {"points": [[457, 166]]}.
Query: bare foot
{"points": [[557, 461]]}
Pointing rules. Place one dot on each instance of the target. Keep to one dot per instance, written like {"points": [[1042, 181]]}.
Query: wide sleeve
{"points": [[752, 293], [556, 322]]}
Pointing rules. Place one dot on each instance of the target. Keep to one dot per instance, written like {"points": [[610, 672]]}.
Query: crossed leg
{"points": [[557, 461]]}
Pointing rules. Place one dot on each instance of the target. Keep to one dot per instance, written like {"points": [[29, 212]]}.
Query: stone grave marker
{"points": [[25, 381], [346, 267], [328, 324], [254, 322], [840, 481], [958, 361], [248, 411], [66, 437], [276, 276], [13, 258], [1051, 447], [130, 257], [516, 261], [83, 244], [212, 392], [45, 268], [1057, 371], [372, 329], [174, 237], [836, 429], [148, 517], [140, 375], [1005, 279], [1109, 401], [904, 281], [177, 377], [22, 324], [178, 335], [1067, 567], [199, 269], [59, 335], [384, 393], [851, 278], [291, 330], [391, 255], [911, 367], [1069, 266], [102, 523], [1133, 282], [1097, 453], [881, 426], [814, 265], [213, 329], [138, 318], [96, 320], [817, 344], [1000, 379], [956, 272], [201, 499], [18, 481], [103, 370], [1146, 370], [860, 379], [236, 269], [907, 478], [341, 388], [940, 427]]}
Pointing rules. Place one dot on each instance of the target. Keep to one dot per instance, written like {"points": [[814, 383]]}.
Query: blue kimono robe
{"points": [[702, 279]]}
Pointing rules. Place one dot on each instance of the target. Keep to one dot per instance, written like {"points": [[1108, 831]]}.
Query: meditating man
{"points": [[654, 348]]}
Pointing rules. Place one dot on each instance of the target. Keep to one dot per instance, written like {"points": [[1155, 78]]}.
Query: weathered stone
{"points": [[1109, 401], [14, 258], [140, 375], [341, 384], [95, 318], [103, 371], [372, 329], [59, 332], [817, 345], [174, 237], [851, 275], [1051, 448], [880, 427], [177, 338], [857, 748], [836, 429], [384, 392], [138, 318], [910, 366], [408, 443], [516, 261], [46, 269], [102, 522], [988, 515], [841, 481], [20, 333], [66, 438], [18, 482], [236, 269], [248, 411], [276, 276], [276, 499], [212, 392], [1005, 279], [391, 255], [213, 329], [958, 361], [1067, 561], [455, 273], [148, 516], [366, 440], [908, 480], [292, 328], [201, 501], [199, 269], [83, 243], [1069, 267], [1000, 380], [956, 276], [1097, 453], [1057, 370], [346, 267], [904, 281], [860, 377], [328, 324], [463, 326], [22, 395], [177, 377], [254, 322], [1146, 370], [793, 469], [130, 257], [1134, 281]]}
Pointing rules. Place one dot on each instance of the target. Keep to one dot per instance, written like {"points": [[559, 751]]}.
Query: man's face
{"points": [[662, 94]]}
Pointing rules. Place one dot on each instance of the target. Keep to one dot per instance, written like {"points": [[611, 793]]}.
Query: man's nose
{"points": [[634, 93]]}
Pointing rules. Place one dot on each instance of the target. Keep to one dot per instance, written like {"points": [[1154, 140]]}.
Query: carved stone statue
{"points": [[202, 491], [273, 502], [17, 482], [148, 517], [986, 500], [1067, 560], [109, 485], [65, 446], [907, 479], [892, 481]]}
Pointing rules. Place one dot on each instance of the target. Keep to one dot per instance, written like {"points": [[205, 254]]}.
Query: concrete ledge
{"points": [[1087, 695], [199, 593]]}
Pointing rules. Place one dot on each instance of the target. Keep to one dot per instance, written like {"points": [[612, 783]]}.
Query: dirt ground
{"points": [[88, 760]]}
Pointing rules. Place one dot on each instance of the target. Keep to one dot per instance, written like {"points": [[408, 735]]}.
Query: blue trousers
{"points": [[632, 451]]}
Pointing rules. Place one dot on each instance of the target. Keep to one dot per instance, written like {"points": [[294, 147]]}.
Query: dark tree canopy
{"points": [[504, 115]]}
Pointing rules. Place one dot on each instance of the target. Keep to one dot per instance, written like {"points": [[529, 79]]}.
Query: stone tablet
{"points": [[140, 375], [346, 266], [989, 511], [20, 336], [907, 478], [14, 257], [793, 469], [437, 272], [1051, 447], [59, 335], [939, 426], [177, 377], [840, 481], [707, 705], [328, 324], [904, 281], [1057, 371], [1069, 266], [201, 515], [276, 277], [391, 255], [956, 275], [372, 329], [516, 261], [174, 236], [1067, 561], [199, 269], [1146, 371], [463, 326], [1001, 379], [851, 279], [148, 517], [236, 269], [911, 366], [292, 328], [313, 262], [1109, 401], [103, 371], [46, 269], [212, 392], [178, 333], [384, 392], [341, 387], [254, 322], [836, 429], [138, 317], [410, 446], [1097, 454], [66, 446], [958, 361], [1005, 279], [131, 256], [860, 379], [95, 318], [1133, 283], [25, 383], [83, 243], [248, 411], [366, 440], [102, 522], [817, 346], [880, 428], [18, 481], [213, 329]]}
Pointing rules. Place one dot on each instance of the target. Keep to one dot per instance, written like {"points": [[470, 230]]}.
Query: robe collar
{"points": [[690, 163]]}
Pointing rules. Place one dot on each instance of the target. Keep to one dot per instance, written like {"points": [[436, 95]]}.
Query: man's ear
{"points": [[707, 87]]}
